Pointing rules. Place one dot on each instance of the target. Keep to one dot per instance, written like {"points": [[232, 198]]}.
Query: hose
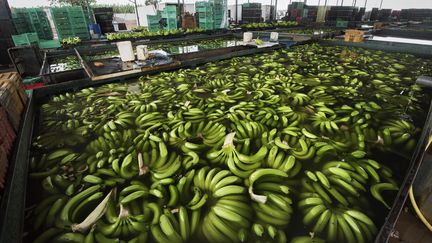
{"points": [[417, 210]]}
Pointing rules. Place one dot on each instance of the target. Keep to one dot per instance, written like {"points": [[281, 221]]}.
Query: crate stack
{"points": [[169, 13], [251, 12], [205, 15], [104, 17], [219, 13], [7, 29], [32, 20], [71, 22], [416, 14], [12, 103], [153, 21], [211, 14], [384, 14], [343, 13]]}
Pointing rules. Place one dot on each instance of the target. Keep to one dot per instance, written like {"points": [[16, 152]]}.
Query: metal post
{"points": [[271, 11], [319, 2], [275, 11], [365, 3], [90, 17], [381, 4], [342, 3], [325, 3], [236, 6], [178, 14], [337, 2]]}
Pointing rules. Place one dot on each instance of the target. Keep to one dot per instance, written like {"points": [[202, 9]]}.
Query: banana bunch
{"points": [[277, 158], [361, 114], [265, 233], [325, 123], [336, 223], [240, 164], [51, 140], [319, 96], [58, 235], [226, 202], [400, 133], [146, 120], [176, 225], [270, 198], [121, 225], [247, 129], [270, 117]]}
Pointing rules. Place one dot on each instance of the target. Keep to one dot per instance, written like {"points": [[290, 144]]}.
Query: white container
{"points": [[274, 36], [142, 52], [126, 51], [247, 37]]}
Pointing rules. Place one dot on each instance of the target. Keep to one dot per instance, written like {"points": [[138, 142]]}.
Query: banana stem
{"points": [[124, 212], [143, 169], [229, 140], [256, 197], [94, 216]]}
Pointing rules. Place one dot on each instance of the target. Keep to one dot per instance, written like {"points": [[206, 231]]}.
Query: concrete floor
{"points": [[409, 229]]}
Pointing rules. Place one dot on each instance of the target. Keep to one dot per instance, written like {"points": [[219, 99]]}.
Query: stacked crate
{"points": [[344, 13], [32, 20], [251, 12], [153, 21], [7, 29], [71, 22], [170, 15], [12, 102], [205, 15], [12, 97], [219, 15], [211, 14]]}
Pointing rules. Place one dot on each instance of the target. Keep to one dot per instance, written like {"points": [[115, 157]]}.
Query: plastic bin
{"points": [[25, 39]]}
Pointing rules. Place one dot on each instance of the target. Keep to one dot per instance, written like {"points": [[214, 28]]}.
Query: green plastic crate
{"points": [[71, 22], [32, 20], [49, 44], [341, 24], [25, 39]]}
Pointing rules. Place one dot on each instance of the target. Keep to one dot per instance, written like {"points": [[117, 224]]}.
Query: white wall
{"points": [[265, 12], [239, 11], [189, 7], [128, 18], [143, 12]]}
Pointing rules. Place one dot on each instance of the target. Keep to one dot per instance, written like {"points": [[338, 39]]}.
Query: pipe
{"points": [[236, 6], [417, 209], [424, 81]]}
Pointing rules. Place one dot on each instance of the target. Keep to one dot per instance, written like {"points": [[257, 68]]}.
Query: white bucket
{"points": [[142, 52], [247, 37], [274, 36], [126, 51]]}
